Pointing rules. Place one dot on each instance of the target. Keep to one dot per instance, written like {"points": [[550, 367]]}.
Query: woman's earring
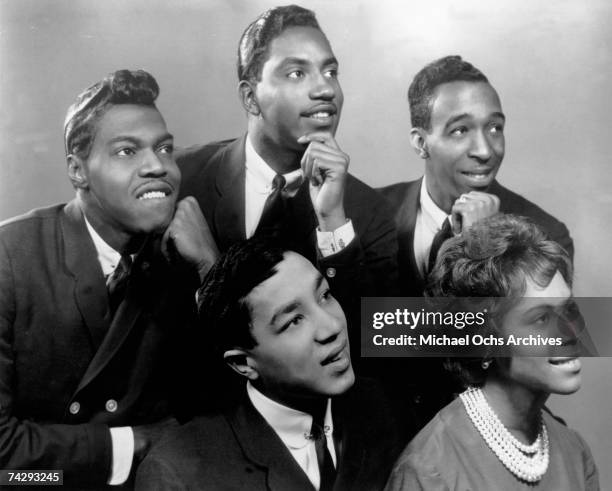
{"points": [[486, 364]]}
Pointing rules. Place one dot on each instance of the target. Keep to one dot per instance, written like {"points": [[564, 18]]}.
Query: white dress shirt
{"points": [[293, 428], [429, 221], [122, 438], [258, 186]]}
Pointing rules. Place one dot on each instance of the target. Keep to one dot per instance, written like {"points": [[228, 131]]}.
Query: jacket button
{"points": [[111, 405], [331, 272], [74, 408]]}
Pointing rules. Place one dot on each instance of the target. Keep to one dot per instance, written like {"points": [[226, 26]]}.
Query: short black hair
{"points": [[222, 305], [421, 90], [493, 258], [257, 37], [120, 87]]}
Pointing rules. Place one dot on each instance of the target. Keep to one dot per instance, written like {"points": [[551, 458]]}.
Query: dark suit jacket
{"points": [[239, 450], [215, 175], [404, 197], [58, 347], [432, 387]]}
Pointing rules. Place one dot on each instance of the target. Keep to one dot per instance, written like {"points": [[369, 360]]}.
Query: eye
{"points": [[542, 318], [331, 73], [167, 148], [461, 130], [295, 74], [125, 152], [295, 321], [497, 129]]}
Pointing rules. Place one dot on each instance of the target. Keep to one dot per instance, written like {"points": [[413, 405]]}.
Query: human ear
{"points": [[248, 97], [241, 362], [76, 171], [419, 142]]}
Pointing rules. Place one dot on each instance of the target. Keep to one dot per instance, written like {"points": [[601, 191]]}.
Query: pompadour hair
{"points": [[120, 87]]}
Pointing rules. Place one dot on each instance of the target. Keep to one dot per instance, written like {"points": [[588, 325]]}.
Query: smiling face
{"points": [[298, 92], [538, 313], [465, 144], [129, 183], [302, 349]]}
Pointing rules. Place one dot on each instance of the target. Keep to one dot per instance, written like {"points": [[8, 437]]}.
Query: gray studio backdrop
{"points": [[550, 62]]}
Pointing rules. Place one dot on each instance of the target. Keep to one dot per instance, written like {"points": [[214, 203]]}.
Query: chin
{"points": [[342, 383]]}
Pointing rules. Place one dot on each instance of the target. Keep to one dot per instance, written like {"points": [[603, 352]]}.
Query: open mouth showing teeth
{"points": [[568, 362], [321, 115], [477, 175], [153, 195]]}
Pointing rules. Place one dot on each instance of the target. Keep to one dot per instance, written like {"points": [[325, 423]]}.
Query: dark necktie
{"points": [[327, 470], [443, 234], [273, 214], [116, 283]]}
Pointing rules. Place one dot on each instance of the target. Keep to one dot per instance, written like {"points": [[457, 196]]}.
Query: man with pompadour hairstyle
{"points": [[97, 296]]}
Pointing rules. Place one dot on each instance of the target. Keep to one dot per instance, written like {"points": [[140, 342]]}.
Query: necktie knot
{"points": [[278, 183], [327, 470], [273, 215], [441, 236], [116, 283]]}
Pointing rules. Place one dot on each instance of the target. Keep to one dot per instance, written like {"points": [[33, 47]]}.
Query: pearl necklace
{"points": [[527, 462]]}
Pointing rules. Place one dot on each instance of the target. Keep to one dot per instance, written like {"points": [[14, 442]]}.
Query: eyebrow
{"points": [[459, 117], [549, 305], [294, 60], [291, 306], [286, 309], [138, 141]]}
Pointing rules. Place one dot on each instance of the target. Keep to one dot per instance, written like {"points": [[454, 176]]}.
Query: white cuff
{"points": [[331, 242], [123, 454]]}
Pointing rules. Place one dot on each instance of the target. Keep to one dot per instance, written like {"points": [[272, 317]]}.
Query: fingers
{"points": [[321, 160], [189, 236], [473, 207], [324, 137]]}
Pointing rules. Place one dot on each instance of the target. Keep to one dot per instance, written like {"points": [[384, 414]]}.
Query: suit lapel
{"points": [[406, 223], [141, 289], [262, 446], [229, 213], [80, 258]]}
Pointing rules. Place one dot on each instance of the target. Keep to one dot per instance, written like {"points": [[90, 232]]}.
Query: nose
{"points": [[152, 164], [481, 148], [571, 322], [323, 88], [329, 325]]}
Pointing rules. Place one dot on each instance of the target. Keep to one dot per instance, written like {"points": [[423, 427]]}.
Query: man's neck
{"points": [[280, 159], [121, 242], [309, 405]]}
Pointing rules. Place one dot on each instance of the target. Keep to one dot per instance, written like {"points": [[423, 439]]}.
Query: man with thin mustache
{"points": [[287, 176]]}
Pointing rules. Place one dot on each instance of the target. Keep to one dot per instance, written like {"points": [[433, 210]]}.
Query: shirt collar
{"points": [[433, 215], [292, 426], [260, 174], [107, 256]]}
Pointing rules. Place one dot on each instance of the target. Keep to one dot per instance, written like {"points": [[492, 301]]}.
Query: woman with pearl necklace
{"points": [[498, 434]]}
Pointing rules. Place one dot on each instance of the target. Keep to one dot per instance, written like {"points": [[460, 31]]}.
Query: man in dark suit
{"points": [[458, 129], [89, 371], [301, 424], [289, 89]]}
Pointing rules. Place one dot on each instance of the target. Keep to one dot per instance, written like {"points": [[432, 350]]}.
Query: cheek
{"points": [[530, 371]]}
